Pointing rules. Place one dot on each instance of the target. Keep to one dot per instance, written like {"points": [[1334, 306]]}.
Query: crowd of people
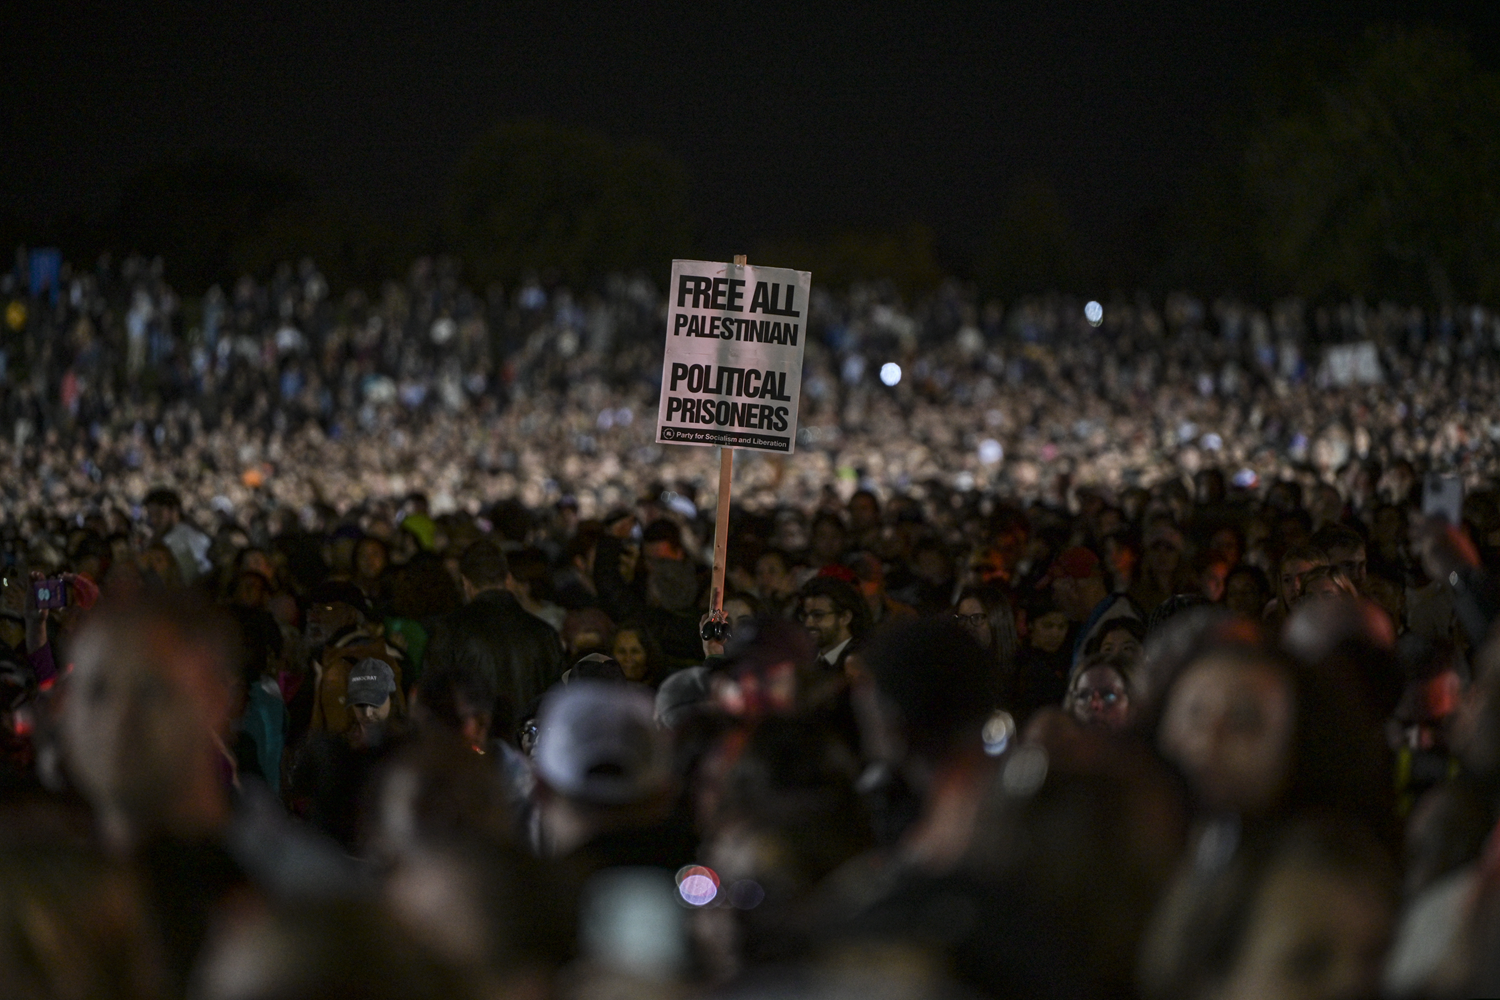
{"points": [[369, 650], [283, 394]]}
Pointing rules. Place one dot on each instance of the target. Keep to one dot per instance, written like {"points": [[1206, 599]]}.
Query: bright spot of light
{"points": [[890, 373], [1094, 313], [990, 451], [854, 369], [999, 731], [697, 885], [1025, 771]]}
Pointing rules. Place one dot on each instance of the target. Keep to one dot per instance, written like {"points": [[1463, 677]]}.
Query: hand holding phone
{"points": [[49, 593]]}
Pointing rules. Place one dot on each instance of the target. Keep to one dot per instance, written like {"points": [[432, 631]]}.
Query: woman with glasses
{"points": [[986, 613], [1099, 693]]}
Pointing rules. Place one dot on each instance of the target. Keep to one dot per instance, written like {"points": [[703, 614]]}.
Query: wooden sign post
{"points": [[721, 521]]}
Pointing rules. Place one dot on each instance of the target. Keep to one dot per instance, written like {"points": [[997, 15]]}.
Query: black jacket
{"points": [[519, 650]]}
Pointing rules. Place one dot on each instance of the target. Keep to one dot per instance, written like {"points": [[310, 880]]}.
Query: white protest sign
{"points": [[1352, 364], [732, 373]]}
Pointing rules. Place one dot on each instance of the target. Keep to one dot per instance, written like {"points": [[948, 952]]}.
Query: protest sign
{"points": [[732, 371], [1351, 364]]}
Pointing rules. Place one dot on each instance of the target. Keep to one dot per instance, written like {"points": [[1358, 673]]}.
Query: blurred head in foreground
{"points": [[925, 697], [143, 717], [1303, 914], [323, 953], [601, 762]]}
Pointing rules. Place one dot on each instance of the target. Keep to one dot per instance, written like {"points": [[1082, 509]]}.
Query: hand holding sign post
{"points": [[732, 371]]}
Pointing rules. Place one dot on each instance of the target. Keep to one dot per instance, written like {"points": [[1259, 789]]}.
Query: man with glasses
{"points": [[836, 615]]}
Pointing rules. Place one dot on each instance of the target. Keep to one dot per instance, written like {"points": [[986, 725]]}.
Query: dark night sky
{"points": [[789, 122]]}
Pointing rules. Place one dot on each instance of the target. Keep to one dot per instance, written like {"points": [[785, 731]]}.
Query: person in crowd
{"points": [[188, 545], [927, 726], [1295, 566], [74, 923], [1388, 590], [1258, 736], [986, 612], [1345, 549], [342, 947], [1162, 570], [604, 781], [931, 570], [783, 815], [1046, 661], [262, 717], [371, 699], [742, 608], [1076, 582], [639, 655], [836, 615], [1246, 591], [586, 630], [459, 696], [1122, 639], [573, 579], [1326, 581], [529, 581], [870, 575], [864, 519], [1305, 911], [341, 633], [655, 583], [149, 764], [830, 540], [521, 653], [775, 583], [1099, 694], [143, 732], [1121, 551], [494, 915], [371, 558], [1210, 575]]}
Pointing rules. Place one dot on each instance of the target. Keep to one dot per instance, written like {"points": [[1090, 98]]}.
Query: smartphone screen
{"points": [[50, 593]]}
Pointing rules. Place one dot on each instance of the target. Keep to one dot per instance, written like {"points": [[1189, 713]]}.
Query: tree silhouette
{"points": [[903, 257], [1381, 177], [194, 213], [537, 195], [1033, 246]]}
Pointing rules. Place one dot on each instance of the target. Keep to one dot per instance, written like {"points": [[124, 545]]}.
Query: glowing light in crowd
{"points": [[697, 885], [1025, 771], [990, 451], [890, 373], [998, 732], [1094, 313]]}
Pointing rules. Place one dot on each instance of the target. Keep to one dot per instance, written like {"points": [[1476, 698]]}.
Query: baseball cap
{"points": [[1078, 563], [371, 682], [597, 742]]}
